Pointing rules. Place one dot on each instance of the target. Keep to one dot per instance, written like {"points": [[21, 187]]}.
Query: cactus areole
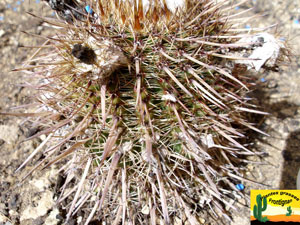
{"points": [[145, 105]]}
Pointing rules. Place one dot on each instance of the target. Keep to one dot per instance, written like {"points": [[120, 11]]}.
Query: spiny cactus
{"points": [[147, 102], [259, 208]]}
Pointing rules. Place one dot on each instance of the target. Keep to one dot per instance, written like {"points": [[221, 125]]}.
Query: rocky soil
{"points": [[33, 201]]}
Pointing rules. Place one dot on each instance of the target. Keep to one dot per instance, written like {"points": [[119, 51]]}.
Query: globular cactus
{"points": [[289, 211], [145, 103], [259, 207]]}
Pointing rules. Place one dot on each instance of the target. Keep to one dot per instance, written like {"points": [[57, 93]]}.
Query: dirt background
{"points": [[34, 201]]}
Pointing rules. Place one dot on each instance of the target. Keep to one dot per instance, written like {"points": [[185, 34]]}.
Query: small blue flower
{"points": [[263, 80], [296, 21], [240, 187], [247, 26], [237, 8], [88, 9], [18, 3]]}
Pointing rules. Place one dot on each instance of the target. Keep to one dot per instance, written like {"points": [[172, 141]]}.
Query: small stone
{"points": [[287, 112], [45, 203], [38, 221], [286, 129], [79, 219], [13, 201], [177, 221], [43, 137], [9, 133], [3, 219], [201, 220], [250, 167], [2, 32], [146, 210], [272, 84], [295, 123], [3, 210]]}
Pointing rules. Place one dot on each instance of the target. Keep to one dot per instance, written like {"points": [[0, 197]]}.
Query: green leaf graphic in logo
{"points": [[258, 209], [289, 211]]}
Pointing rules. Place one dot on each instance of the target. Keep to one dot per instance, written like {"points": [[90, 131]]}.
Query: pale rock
{"points": [[79, 219], [177, 221], [2, 32], [146, 210], [52, 218], [3, 219], [44, 204], [266, 50], [9, 133]]}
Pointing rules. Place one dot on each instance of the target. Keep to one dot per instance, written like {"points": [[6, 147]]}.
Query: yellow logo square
{"points": [[269, 206]]}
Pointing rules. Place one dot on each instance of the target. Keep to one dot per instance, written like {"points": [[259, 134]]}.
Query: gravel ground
{"points": [[33, 201]]}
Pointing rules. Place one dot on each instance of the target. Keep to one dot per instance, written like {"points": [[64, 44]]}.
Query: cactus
{"points": [[258, 209], [289, 211], [145, 97]]}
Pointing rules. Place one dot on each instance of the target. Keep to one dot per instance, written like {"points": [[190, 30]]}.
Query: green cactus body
{"points": [[289, 211], [149, 102], [259, 208]]}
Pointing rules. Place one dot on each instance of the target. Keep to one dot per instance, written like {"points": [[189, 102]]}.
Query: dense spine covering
{"points": [[146, 99]]}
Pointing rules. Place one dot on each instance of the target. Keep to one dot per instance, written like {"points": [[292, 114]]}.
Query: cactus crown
{"points": [[148, 102]]}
